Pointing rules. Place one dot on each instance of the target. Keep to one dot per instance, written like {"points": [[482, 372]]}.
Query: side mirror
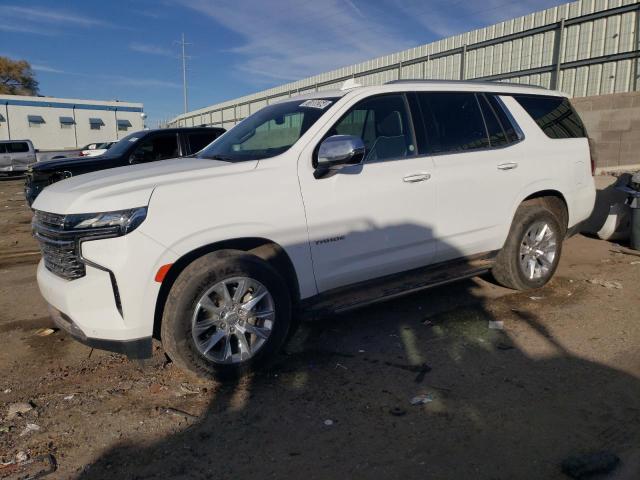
{"points": [[339, 151]]}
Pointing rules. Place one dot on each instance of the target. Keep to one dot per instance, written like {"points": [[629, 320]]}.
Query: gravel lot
{"points": [[562, 377]]}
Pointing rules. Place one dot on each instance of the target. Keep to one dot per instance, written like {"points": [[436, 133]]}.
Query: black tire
{"points": [[507, 270], [191, 284]]}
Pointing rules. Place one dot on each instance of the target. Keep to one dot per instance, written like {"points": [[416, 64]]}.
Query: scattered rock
{"points": [[422, 399], [69, 397], [496, 325], [397, 411], [328, 422], [31, 427], [22, 456], [536, 298], [18, 409], [581, 466], [5, 429], [606, 283], [7, 390]]}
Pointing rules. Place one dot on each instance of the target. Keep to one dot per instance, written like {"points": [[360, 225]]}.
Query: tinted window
{"points": [[554, 115], [3, 148], [506, 122], [17, 147], [497, 137], [453, 122], [197, 141], [383, 124], [157, 147]]}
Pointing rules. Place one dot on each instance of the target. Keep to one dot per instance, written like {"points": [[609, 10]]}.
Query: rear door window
{"points": [[453, 122], [554, 115], [17, 147], [198, 140]]}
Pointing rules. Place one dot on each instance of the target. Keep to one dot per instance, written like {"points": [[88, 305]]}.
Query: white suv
{"points": [[314, 205]]}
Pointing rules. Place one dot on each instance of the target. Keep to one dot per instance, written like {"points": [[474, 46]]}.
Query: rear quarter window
{"points": [[554, 115]]}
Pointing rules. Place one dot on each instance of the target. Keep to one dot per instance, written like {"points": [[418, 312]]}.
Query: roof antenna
{"points": [[349, 84]]}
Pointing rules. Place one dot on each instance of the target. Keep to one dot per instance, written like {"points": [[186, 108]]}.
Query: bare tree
{"points": [[17, 78]]}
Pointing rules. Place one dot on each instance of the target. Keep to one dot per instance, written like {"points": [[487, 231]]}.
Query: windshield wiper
{"points": [[220, 157]]}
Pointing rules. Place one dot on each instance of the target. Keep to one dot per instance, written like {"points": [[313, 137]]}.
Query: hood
{"points": [[128, 187], [57, 164]]}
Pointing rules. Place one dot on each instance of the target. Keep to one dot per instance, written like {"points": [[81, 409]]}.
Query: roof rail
{"points": [[463, 82]]}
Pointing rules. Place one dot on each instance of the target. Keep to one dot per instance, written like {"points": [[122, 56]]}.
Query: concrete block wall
{"points": [[613, 124]]}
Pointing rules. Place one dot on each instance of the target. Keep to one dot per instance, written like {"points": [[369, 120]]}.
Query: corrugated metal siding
{"points": [[583, 40]]}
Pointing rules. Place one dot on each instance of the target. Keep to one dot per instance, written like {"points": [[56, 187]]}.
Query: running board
{"points": [[344, 299]]}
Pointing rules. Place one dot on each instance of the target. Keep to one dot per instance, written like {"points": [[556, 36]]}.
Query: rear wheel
{"points": [[228, 313], [532, 251]]}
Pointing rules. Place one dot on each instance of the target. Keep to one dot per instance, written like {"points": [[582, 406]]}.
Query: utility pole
{"points": [[184, 73]]}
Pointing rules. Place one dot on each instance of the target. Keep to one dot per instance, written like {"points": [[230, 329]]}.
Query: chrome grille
{"points": [[60, 247]]}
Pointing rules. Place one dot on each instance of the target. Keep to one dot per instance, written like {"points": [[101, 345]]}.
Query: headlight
{"points": [[120, 222]]}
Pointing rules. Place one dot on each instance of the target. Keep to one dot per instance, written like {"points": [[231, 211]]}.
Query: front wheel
{"points": [[532, 251], [228, 313]]}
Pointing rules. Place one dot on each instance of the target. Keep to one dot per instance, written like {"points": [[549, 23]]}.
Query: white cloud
{"points": [[151, 49], [288, 39], [46, 69], [115, 79]]}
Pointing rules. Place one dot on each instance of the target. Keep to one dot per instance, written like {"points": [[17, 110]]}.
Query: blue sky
{"points": [[128, 50]]}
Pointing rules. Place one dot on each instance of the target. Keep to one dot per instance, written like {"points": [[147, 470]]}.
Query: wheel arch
{"points": [[554, 200], [264, 248]]}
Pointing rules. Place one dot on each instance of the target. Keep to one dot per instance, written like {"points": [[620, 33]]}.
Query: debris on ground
{"points": [[581, 466], [397, 411], [536, 298], [29, 469], [496, 325], [69, 397], [18, 409], [504, 346], [180, 413], [422, 399], [606, 283], [31, 427], [187, 390], [45, 332], [328, 422]]}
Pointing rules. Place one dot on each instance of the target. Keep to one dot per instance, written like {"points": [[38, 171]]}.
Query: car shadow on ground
{"points": [[338, 403]]}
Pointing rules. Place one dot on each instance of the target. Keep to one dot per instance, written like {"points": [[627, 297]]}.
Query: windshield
{"points": [[123, 144], [268, 132]]}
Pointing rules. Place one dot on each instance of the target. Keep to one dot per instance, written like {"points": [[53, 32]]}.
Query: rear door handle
{"points": [[507, 166], [418, 177]]}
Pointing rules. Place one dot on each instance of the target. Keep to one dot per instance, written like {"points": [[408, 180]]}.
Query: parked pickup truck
{"points": [[16, 156], [313, 206], [139, 147]]}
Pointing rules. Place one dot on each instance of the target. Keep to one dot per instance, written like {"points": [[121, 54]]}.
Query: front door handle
{"points": [[507, 166], [418, 177]]}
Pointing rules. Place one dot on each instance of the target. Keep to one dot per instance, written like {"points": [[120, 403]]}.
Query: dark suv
{"points": [[139, 147]]}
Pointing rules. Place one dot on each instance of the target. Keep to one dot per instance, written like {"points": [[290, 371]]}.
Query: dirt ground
{"points": [[561, 378]]}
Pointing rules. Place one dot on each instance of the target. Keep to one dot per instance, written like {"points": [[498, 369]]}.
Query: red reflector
{"points": [[162, 272]]}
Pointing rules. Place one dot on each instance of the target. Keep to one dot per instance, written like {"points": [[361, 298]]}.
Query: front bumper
{"points": [[114, 302], [137, 349]]}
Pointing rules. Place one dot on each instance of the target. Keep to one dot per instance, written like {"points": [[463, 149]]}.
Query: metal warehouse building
{"points": [[585, 48], [60, 123]]}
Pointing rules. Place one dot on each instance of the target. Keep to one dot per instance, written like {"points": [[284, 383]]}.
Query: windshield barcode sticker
{"points": [[321, 104]]}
